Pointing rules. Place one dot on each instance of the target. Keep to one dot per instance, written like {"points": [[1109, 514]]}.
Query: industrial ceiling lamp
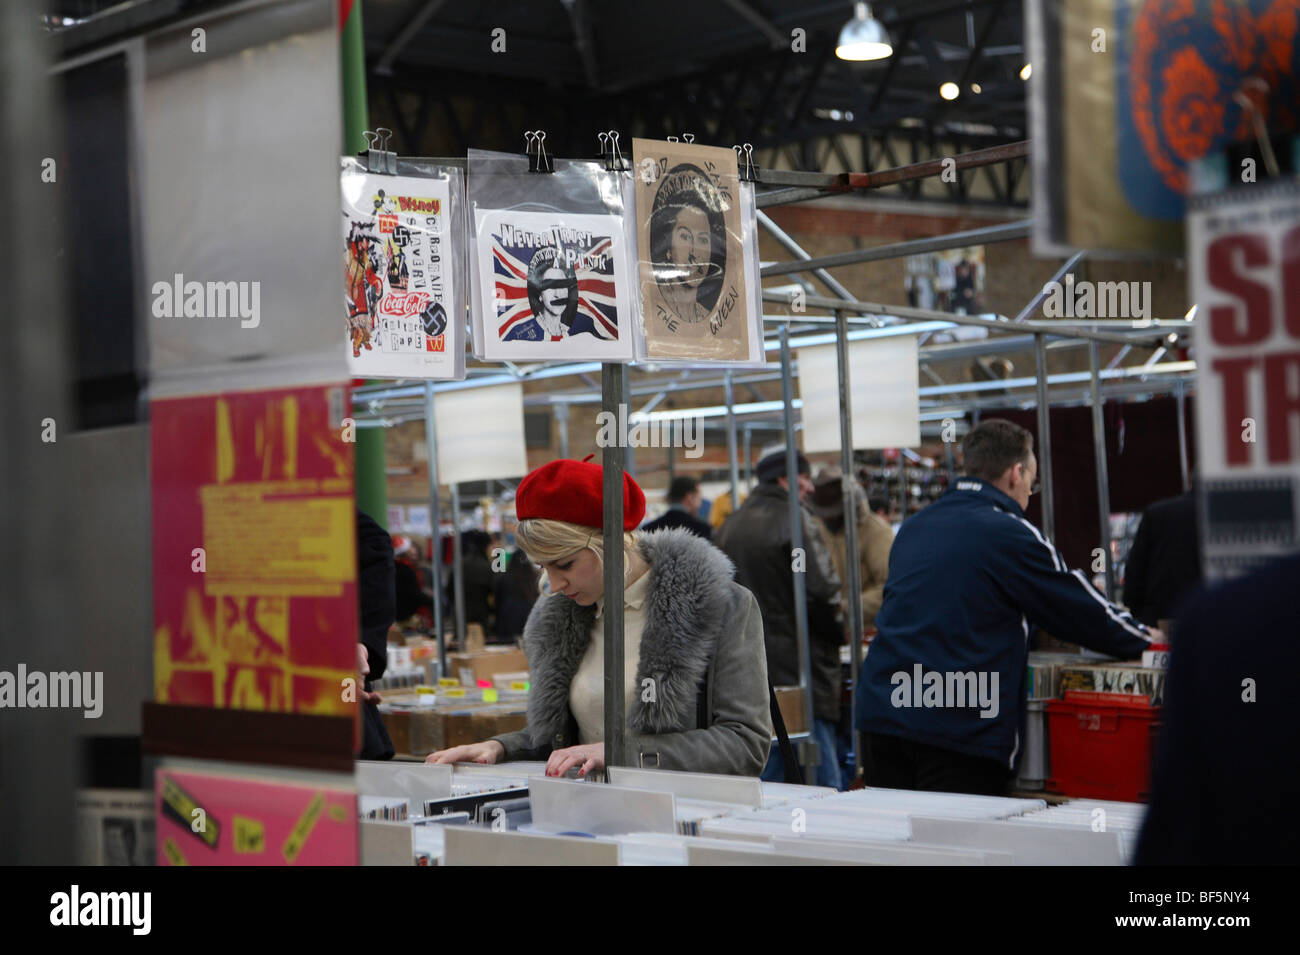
{"points": [[864, 37]]}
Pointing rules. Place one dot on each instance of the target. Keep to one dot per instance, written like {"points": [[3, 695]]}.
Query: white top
{"points": [[587, 691]]}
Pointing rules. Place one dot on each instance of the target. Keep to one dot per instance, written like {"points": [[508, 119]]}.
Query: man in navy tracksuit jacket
{"points": [[942, 692]]}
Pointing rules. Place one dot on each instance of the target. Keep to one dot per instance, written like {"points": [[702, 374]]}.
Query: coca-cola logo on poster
{"points": [[403, 304]]}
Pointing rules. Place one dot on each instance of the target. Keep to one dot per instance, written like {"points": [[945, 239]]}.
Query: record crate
{"points": [[1102, 749]]}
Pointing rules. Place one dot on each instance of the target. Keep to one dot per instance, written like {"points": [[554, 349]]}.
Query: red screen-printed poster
{"points": [[254, 551], [221, 819]]}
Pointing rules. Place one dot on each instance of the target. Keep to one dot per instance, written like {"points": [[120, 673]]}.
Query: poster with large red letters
{"points": [[1244, 268]]}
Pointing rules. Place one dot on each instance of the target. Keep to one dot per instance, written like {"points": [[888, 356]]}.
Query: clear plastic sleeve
{"points": [[697, 256], [551, 261], [404, 270]]}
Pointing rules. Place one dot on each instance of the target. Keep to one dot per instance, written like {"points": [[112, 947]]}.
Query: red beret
{"points": [[572, 491]]}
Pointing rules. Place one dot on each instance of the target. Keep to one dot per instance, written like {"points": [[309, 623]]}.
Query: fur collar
{"points": [[685, 599]]}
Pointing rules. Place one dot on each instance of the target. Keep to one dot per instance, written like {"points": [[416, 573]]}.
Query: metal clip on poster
{"points": [[535, 148], [377, 157], [747, 169], [610, 153]]}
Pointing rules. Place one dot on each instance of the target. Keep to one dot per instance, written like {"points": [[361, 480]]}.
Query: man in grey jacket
{"points": [[757, 538]]}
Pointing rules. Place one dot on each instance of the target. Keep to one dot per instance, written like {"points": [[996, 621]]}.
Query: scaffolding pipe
{"points": [[613, 380], [796, 546], [1045, 440], [849, 489], [458, 568], [1103, 471], [435, 520], [1005, 232], [733, 464]]}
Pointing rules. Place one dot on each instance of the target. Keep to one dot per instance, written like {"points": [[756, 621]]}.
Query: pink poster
{"points": [[212, 819]]}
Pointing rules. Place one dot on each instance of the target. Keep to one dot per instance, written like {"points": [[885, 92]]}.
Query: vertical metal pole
{"points": [[849, 485], [629, 453], [952, 461], [902, 487], [796, 542], [613, 382], [749, 458], [561, 412], [672, 441], [1103, 468], [458, 567], [435, 519], [731, 441], [1045, 439], [1181, 395]]}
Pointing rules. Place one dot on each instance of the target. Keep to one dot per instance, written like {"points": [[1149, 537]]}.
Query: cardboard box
{"points": [[469, 668], [790, 701]]}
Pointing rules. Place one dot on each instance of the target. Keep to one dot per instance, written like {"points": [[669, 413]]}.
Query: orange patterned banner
{"points": [[254, 551]]}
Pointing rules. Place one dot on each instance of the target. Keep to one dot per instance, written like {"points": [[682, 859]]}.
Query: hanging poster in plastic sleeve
{"points": [[402, 296], [885, 401], [695, 296], [481, 434], [1243, 256], [551, 261]]}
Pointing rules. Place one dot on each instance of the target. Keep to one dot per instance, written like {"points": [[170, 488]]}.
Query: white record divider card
{"points": [[885, 399], [480, 433]]}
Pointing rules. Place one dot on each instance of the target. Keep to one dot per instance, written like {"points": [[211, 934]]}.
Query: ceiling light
{"points": [[949, 90], [975, 88], [1026, 71], [864, 37]]}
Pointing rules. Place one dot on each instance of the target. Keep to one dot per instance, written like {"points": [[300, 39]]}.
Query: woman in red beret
{"points": [[696, 669]]}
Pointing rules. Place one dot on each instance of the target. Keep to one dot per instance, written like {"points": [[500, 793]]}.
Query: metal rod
{"points": [[1005, 232], [1042, 293], [849, 488], [613, 382], [435, 520], [1045, 440], [629, 453], [458, 569], [1103, 470], [672, 439], [562, 426], [796, 544], [794, 248], [731, 442], [749, 462], [909, 314], [1180, 395]]}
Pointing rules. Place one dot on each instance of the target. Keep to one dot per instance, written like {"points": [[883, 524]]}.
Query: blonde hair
{"points": [[545, 540]]}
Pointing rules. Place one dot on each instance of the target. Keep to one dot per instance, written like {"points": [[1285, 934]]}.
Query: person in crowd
{"points": [[695, 681], [516, 594], [684, 499], [376, 605], [758, 540], [1164, 563], [411, 597], [941, 695], [480, 581], [875, 537], [1224, 790], [720, 509]]}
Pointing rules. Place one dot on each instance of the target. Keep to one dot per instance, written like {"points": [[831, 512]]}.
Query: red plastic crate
{"points": [[1101, 750]]}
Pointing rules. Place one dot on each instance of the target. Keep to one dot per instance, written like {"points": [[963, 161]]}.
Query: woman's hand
{"points": [[489, 752], [590, 758]]}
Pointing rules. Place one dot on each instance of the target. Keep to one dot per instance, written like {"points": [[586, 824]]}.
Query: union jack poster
{"points": [[400, 295], [553, 285]]}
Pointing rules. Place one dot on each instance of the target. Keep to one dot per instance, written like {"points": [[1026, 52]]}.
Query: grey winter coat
{"points": [[702, 645]]}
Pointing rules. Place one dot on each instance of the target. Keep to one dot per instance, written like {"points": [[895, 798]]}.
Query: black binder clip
{"points": [[376, 156], [746, 167], [613, 156], [535, 148]]}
